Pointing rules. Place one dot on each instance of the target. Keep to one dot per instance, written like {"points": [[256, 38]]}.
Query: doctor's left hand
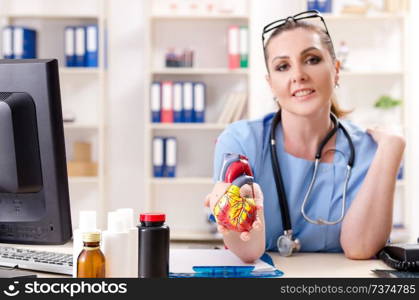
{"points": [[246, 191]]}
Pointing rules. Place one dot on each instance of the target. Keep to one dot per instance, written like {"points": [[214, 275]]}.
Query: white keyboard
{"points": [[43, 261]]}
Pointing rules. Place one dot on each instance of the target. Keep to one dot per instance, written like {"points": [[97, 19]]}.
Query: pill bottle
{"points": [[91, 261], [153, 246]]}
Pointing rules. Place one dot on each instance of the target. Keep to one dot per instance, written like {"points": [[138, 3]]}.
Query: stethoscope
{"points": [[286, 243]]}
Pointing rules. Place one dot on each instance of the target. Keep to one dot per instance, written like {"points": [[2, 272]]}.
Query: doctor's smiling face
{"points": [[302, 72]]}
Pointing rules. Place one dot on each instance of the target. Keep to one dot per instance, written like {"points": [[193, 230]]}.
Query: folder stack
{"points": [[324, 6], [164, 156], [81, 46], [19, 42], [238, 48], [177, 102]]}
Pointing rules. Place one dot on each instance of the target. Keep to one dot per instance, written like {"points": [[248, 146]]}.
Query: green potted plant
{"points": [[389, 110], [387, 102]]}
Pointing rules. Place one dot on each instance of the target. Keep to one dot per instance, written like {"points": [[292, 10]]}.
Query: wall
{"points": [[125, 132], [262, 13]]}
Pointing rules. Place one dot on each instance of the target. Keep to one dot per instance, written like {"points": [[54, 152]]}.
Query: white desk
{"points": [[298, 265], [325, 265]]}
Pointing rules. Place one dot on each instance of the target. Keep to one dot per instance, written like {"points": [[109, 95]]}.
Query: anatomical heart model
{"points": [[233, 211]]}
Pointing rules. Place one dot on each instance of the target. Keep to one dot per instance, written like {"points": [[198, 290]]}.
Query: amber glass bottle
{"points": [[91, 261]]}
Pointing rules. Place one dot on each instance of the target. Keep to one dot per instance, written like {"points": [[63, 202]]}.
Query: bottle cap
{"points": [[87, 220], [91, 237], [152, 217], [128, 216]]}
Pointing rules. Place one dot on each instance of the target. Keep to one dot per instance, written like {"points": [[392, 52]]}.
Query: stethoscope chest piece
{"points": [[287, 245]]}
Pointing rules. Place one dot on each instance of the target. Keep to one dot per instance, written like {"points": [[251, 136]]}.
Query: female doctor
{"points": [[349, 205]]}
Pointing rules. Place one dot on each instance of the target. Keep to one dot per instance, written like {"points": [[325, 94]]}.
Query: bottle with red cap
{"points": [[153, 246]]}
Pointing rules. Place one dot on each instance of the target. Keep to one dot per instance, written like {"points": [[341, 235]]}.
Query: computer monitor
{"points": [[34, 197]]}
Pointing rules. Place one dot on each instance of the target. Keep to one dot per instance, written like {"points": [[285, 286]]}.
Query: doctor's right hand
{"points": [[220, 189]]}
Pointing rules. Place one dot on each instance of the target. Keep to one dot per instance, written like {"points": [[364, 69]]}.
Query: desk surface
{"points": [[298, 265], [325, 265]]}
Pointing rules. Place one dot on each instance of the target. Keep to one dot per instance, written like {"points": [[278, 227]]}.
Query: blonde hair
{"points": [[326, 41]]}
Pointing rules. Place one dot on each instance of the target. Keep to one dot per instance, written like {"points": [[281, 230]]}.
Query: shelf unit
{"points": [[184, 180], [182, 197], [83, 90], [186, 126], [369, 78], [200, 71]]}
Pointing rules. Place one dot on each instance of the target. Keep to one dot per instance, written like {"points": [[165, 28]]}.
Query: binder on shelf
{"points": [[233, 47], [19, 42], [24, 43], [158, 156], [170, 157], [167, 102], [80, 46], [92, 46], [244, 47], [324, 6], [178, 102], [7, 42], [155, 99], [69, 46], [199, 102], [188, 102]]}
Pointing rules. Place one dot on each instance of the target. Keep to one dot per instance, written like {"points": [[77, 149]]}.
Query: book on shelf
{"points": [[222, 118], [240, 108], [234, 108]]}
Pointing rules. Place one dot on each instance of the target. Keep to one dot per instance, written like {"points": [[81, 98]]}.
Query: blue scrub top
{"points": [[251, 138]]}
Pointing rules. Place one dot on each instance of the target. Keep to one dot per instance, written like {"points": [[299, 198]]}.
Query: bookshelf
{"points": [[83, 90], [384, 79], [191, 126], [181, 198], [201, 71]]}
